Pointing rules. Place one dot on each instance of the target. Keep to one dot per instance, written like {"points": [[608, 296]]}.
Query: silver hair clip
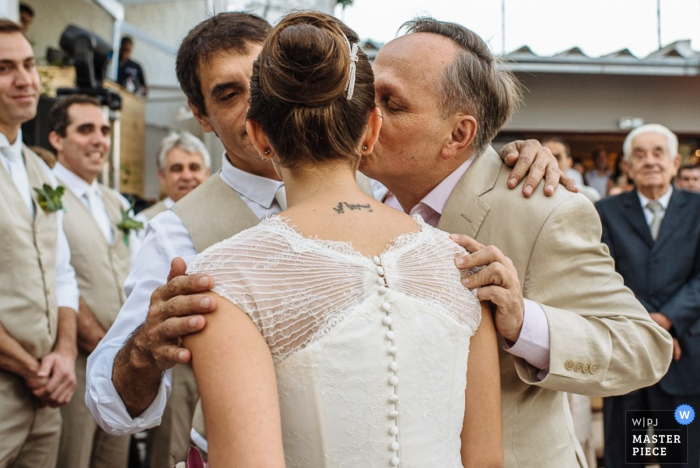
{"points": [[353, 68]]}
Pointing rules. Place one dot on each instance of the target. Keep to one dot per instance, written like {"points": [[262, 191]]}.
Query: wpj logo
{"points": [[661, 434]]}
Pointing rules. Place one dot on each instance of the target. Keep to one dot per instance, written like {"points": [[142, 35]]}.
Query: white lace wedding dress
{"points": [[370, 353]]}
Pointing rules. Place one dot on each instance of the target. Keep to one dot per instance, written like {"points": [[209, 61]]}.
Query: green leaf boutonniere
{"points": [[50, 198], [128, 224]]}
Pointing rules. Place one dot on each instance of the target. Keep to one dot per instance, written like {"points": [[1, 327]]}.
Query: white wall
{"points": [[595, 103]]}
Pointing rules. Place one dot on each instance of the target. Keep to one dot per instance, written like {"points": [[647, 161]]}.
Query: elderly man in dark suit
{"points": [[653, 234]]}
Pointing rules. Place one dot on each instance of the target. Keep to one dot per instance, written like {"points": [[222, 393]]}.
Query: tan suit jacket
{"points": [[602, 341]]}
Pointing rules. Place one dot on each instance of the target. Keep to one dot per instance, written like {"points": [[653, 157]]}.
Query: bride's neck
{"points": [[318, 182]]}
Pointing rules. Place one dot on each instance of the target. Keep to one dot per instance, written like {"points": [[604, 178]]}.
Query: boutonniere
{"points": [[50, 198], [128, 224]]}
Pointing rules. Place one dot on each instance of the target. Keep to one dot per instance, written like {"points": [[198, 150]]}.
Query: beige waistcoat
{"points": [[28, 263], [154, 210], [100, 268]]}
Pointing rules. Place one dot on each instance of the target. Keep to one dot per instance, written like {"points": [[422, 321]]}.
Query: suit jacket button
{"points": [[569, 364], [594, 368], [578, 367], [586, 368]]}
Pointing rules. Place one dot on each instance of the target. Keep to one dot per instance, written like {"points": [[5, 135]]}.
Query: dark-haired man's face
{"points": [[19, 83], [85, 148], [225, 83], [406, 74]]}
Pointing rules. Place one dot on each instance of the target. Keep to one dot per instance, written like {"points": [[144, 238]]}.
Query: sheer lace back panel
{"points": [[343, 328]]}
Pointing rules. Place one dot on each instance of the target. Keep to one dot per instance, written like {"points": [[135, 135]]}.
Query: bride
{"points": [[342, 332]]}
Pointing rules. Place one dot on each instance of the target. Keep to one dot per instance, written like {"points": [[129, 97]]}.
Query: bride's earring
{"points": [[266, 153], [364, 148]]}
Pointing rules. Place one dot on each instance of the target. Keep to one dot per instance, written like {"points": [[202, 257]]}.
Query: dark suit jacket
{"points": [[664, 275]]}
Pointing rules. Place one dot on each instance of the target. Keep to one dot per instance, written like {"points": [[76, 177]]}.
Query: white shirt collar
{"points": [[260, 190], [663, 199], [12, 151], [168, 202], [76, 185]]}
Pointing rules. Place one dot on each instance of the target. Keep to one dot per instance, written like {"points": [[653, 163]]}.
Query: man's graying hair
{"points": [[473, 82]]}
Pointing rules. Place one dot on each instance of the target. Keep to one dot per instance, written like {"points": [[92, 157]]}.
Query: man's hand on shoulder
{"points": [[156, 345], [497, 281], [529, 157], [174, 312]]}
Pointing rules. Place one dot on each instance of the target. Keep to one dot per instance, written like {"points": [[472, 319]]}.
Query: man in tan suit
{"points": [[100, 255], [579, 330], [37, 284], [183, 164]]}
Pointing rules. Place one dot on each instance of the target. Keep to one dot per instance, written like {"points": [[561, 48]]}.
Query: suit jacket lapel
{"points": [[635, 217], [672, 217], [465, 211]]}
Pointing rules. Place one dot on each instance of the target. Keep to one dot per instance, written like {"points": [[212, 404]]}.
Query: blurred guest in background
{"points": [[652, 234], [688, 178], [598, 176], [183, 164], [130, 74]]}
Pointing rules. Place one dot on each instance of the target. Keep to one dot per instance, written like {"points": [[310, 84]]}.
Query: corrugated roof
{"points": [[675, 59]]}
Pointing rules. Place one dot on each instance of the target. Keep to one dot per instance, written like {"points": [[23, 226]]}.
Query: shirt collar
{"points": [[76, 185], [437, 197], [663, 199], [168, 202], [12, 151], [260, 190]]}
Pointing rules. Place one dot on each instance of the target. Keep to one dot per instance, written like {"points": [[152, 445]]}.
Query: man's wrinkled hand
{"points": [[497, 281], [530, 158], [175, 311]]}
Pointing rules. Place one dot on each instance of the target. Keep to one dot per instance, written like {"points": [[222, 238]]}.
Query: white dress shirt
{"points": [[66, 285], [166, 238]]}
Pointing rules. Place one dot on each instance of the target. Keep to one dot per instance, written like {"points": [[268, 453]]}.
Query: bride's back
{"points": [[360, 305]]}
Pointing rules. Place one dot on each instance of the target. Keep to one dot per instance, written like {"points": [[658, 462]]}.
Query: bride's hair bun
{"points": [[298, 90], [306, 62]]}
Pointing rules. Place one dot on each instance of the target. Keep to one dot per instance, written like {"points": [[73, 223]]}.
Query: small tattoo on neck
{"points": [[340, 208]]}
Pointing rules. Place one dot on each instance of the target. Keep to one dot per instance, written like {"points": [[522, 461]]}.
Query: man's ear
{"points": [[259, 139], [200, 117], [374, 125], [464, 129], [161, 178], [676, 164], [56, 141]]}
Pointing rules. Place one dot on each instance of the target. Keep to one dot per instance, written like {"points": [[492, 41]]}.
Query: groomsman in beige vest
{"points": [[99, 243], [183, 164], [37, 283]]}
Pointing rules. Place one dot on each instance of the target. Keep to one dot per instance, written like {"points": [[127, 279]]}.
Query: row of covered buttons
{"points": [[387, 321], [585, 367]]}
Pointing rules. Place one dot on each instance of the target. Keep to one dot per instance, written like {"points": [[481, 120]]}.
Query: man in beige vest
{"points": [[183, 164], [236, 198], [100, 254], [37, 284]]}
